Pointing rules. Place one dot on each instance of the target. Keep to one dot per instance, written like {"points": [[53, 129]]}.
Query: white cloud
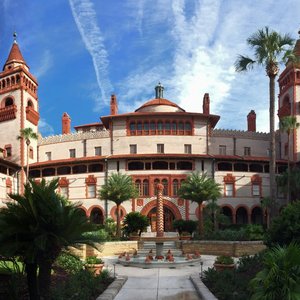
{"points": [[86, 20], [45, 63], [45, 128]]}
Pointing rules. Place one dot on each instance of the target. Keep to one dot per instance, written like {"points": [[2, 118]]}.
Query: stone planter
{"points": [[94, 268], [222, 267]]}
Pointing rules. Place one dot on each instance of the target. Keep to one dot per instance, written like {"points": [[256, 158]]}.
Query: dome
{"points": [[160, 105]]}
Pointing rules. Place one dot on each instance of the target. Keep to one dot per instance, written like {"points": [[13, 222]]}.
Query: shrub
{"points": [[185, 226], [280, 277], [254, 232], [224, 260], [92, 260], [135, 222], [70, 263], [110, 227], [286, 227]]}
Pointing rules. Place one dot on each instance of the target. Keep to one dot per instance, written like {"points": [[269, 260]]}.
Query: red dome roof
{"points": [[158, 102]]}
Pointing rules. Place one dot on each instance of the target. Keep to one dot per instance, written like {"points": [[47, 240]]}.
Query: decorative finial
{"points": [[159, 91], [15, 37]]}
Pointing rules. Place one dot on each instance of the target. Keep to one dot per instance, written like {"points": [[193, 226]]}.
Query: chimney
{"points": [[66, 124], [251, 120], [206, 103], [113, 105]]}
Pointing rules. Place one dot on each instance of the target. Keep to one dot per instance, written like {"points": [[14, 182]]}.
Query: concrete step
{"points": [[165, 251]]}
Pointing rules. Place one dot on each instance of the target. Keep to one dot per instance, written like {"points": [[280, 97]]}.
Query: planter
{"points": [[185, 237], [222, 267], [94, 268], [134, 237]]}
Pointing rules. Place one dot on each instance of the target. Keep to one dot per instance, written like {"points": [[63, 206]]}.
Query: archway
{"points": [[241, 216], [256, 215], [96, 216], [227, 211], [171, 212]]}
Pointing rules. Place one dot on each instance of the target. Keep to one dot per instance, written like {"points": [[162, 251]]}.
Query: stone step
{"points": [[165, 251]]}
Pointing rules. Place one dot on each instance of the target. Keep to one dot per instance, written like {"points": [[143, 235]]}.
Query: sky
{"points": [[82, 51]]}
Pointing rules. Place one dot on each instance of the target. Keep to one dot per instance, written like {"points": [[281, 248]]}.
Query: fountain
{"points": [[160, 260]]}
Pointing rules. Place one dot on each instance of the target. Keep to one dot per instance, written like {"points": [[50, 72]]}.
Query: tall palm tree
{"points": [[269, 50], [288, 124], [36, 227], [198, 188], [27, 134], [118, 188]]}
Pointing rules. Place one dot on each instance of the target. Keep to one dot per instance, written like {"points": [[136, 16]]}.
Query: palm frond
{"points": [[243, 63]]}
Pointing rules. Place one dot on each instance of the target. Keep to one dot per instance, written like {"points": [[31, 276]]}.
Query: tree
{"points": [[135, 222], [280, 277], [294, 178], [199, 188], [37, 226], [288, 124], [27, 134], [269, 50], [118, 188]]}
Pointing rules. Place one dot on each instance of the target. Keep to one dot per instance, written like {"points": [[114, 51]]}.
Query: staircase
{"points": [[146, 246]]}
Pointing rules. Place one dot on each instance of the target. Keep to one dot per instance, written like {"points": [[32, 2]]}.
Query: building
{"points": [[157, 143]]}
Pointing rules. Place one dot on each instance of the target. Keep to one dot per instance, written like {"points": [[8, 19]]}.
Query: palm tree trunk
{"points": [[44, 277], [31, 271], [27, 164], [273, 209], [118, 221], [200, 219]]}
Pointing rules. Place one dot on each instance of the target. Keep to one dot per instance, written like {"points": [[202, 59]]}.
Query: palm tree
{"points": [[199, 188], [118, 188], [36, 227], [288, 124], [269, 50], [280, 278], [27, 134], [293, 177]]}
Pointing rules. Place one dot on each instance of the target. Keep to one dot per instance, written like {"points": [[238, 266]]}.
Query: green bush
{"points": [[135, 222], [110, 227], [254, 232], [92, 260], [70, 263], [185, 226], [224, 260], [81, 286], [286, 227]]}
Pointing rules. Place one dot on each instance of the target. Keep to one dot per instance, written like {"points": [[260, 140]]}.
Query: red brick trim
{"points": [[122, 212], [92, 207]]}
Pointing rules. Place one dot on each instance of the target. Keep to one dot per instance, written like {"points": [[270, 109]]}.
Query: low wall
{"points": [[105, 249], [231, 248]]}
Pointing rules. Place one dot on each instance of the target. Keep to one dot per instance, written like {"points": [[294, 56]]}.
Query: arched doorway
{"points": [[168, 219], [96, 216], [241, 216], [227, 211]]}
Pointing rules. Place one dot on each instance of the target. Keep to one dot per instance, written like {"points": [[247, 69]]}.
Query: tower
{"points": [[289, 105], [18, 108]]}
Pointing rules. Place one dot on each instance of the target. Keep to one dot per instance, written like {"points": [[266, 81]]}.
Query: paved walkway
{"points": [[158, 284]]}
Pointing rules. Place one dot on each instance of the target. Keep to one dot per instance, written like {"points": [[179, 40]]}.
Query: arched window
{"points": [[135, 165], [167, 127], [165, 184], [175, 187], [146, 187], [63, 170], [9, 101], [160, 127], [79, 169], [139, 128], [181, 127], [138, 186], [152, 127], [156, 182], [160, 165], [184, 165], [96, 216], [174, 128], [29, 103]]}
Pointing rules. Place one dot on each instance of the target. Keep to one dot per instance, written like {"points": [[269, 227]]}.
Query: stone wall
{"points": [[230, 248]]}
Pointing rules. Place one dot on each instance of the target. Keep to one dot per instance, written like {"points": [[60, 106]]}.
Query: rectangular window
{"points": [[48, 155], [64, 191], [222, 149], [133, 149], [72, 152], [187, 148], [160, 148], [98, 151], [229, 189], [255, 190], [91, 191], [8, 151], [247, 151]]}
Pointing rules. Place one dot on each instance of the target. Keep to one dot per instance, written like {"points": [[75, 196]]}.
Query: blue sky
{"points": [[82, 51]]}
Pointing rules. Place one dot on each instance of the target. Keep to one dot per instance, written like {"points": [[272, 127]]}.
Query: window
{"points": [[175, 187], [98, 151], [133, 149], [72, 152], [146, 187], [229, 189], [64, 191], [166, 187], [91, 191], [48, 155], [31, 152], [160, 148], [222, 150], [255, 189], [247, 151], [8, 151], [187, 148], [138, 186]]}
